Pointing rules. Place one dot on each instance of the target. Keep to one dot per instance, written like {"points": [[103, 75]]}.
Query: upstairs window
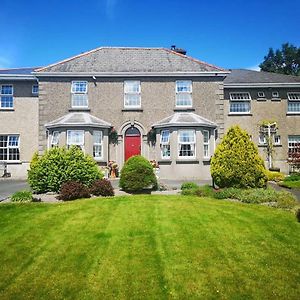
{"points": [[75, 137], [98, 144], [165, 144], [79, 94], [184, 93], [277, 140], [240, 103], [6, 96], [132, 94], [261, 95], [55, 139], [205, 143], [35, 89], [186, 143], [9, 147], [293, 102], [275, 95]]}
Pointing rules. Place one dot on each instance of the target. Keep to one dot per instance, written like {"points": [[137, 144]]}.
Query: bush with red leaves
{"points": [[102, 187], [72, 190]]}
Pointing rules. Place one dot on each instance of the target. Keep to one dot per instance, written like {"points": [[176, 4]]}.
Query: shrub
{"points": [[229, 193], [137, 174], [286, 200], [72, 190], [258, 195], [58, 165], [21, 196], [236, 162], [102, 187], [274, 176], [297, 213], [190, 192], [188, 186], [200, 191]]}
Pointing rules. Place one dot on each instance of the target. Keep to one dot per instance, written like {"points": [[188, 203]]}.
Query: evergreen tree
{"points": [[236, 162]]}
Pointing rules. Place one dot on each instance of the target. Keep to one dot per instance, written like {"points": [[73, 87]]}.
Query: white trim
{"points": [[52, 137], [7, 95], [206, 144], [164, 144], [180, 93], [296, 93], [258, 85], [239, 93], [81, 131], [138, 93], [178, 144], [261, 97], [98, 144]]}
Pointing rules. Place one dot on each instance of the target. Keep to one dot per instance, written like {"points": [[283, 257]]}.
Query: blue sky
{"points": [[230, 34]]}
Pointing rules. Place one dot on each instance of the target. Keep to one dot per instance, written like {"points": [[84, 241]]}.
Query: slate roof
{"points": [[239, 76], [80, 119], [121, 59], [183, 119], [18, 71]]}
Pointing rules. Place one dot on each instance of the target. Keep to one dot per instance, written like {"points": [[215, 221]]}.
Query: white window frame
{"points": [[8, 147], [136, 93], [98, 144], [293, 100], [275, 95], [277, 139], [261, 95], [165, 144], [7, 95], [81, 145], [262, 139], [55, 135], [293, 140], [240, 97], [75, 93], [206, 144], [33, 91], [186, 143], [179, 93]]}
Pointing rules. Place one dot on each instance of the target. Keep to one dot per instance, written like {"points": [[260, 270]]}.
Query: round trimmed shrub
{"points": [[137, 175], [189, 185], [102, 187], [72, 190], [236, 162], [59, 165]]}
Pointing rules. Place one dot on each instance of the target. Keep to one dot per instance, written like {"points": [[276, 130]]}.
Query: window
{"points": [[261, 95], [35, 89], [165, 143], [294, 102], [262, 139], [240, 103], [132, 94], [6, 96], [205, 143], [275, 95], [55, 139], [9, 147], [98, 144], [79, 94], [75, 137], [186, 143], [184, 93], [293, 142], [277, 140]]}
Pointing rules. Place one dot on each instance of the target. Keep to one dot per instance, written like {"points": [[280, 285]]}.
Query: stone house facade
{"points": [[184, 104]]}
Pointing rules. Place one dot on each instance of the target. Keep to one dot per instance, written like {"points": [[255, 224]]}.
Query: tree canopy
{"points": [[284, 61]]}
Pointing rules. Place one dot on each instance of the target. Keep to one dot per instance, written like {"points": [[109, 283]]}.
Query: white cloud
{"points": [[254, 68]]}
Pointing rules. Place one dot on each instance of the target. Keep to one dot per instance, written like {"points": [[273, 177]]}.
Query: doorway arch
{"points": [[132, 143]]}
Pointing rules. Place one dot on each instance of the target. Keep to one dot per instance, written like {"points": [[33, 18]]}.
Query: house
{"points": [[161, 103]]}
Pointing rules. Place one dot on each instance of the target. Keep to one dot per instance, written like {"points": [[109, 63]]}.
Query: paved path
{"points": [[276, 187], [9, 186]]}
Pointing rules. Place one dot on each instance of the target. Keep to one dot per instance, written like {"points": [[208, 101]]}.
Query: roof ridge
{"points": [[194, 59]]}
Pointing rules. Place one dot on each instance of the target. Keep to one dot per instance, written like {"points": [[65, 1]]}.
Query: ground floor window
{"points": [[75, 137], [165, 143], [9, 147], [186, 143], [55, 139], [98, 144], [293, 143], [205, 143]]}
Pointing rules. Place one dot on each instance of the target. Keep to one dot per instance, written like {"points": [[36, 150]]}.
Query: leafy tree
{"points": [[236, 162], [284, 61]]}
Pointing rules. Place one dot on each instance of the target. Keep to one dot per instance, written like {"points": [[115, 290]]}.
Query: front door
{"points": [[132, 142]]}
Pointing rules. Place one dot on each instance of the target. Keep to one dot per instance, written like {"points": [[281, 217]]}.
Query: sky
{"points": [[229, 33]]}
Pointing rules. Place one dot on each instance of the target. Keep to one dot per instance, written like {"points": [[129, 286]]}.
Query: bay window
{"points": [[132, 94], [79, 94], [205, 143], [55, 139], [97, 144], [75, 137], [9, 147], [186, 143], [165, 143], [184, 93]]}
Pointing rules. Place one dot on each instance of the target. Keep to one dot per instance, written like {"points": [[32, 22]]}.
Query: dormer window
{"points": [[132, 94], [275, 95], [184, 93], [6, 96], [79, 94], [261, 95]]}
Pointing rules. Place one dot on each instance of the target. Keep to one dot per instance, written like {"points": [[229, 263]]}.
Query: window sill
{"points": [[239, 114], [187, 161], [6, 109], [293, 113], [276, 99], [206, 159], [133, 109], [79, 109], [165, 161], [261, 99], [13, 162], [186, 109]]}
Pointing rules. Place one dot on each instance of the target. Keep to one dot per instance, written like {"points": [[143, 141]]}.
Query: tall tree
{"points": [[284, 61]]}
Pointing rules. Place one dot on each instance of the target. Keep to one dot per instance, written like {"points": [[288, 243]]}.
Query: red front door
{"points": [[132, 143]]}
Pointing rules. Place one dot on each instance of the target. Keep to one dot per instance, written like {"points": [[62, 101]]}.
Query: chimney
{"points": [[178, 50]]}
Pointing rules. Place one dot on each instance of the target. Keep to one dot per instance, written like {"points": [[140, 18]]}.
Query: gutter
{"points": [[258, 85]]}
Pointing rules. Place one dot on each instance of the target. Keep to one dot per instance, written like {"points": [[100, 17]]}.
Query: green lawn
{"points": [[148, 247], [291, 184]]}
